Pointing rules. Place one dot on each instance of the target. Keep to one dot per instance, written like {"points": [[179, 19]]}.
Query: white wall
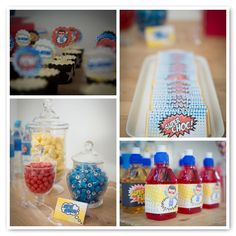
{"points": [[89, 119], [90, 22], [188, 15]]}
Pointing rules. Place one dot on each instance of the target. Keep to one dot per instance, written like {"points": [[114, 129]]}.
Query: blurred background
{"points": [[90, 119]]}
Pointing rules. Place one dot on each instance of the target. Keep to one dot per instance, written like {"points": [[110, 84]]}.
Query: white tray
{"points": [[137, 115]]}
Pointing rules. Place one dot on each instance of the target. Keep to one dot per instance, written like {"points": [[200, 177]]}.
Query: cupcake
{"points": [[52, 76], [29, 86], [100, 66], [66, 70], [75, 52], [67, 57]]}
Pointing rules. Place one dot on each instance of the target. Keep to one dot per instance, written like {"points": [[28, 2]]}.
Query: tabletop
{"points": [[188, 37], [212, 217], [21, 215]]}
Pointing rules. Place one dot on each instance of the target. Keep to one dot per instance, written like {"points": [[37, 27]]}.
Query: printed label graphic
{"points": [[211, 193], [22, 38], [176, 125], [27, 61], [62, 37], [160, 199], [190, 195], [133, 194], [69, 210]]}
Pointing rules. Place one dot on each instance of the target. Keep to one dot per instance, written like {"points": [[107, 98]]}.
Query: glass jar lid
{"points": [[88, 155], [48, 118]]}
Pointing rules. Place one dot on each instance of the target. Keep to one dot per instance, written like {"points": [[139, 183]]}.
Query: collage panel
{"points": [[62, 162], [173, 184], [173, 73], [63, 52]]}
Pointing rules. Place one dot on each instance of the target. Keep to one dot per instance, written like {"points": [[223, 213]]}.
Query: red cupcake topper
{"points": [[76, 34], [62, 37]]}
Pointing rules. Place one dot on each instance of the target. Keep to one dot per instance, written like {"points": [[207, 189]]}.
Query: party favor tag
{"points": [[159, 36], [70, 210]]}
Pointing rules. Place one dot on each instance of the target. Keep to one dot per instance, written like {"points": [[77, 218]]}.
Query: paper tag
{"points": [[62, 37], [159, 36], [70, 210], [22, 38], [161, 199], [190, 195], [27, 61]]}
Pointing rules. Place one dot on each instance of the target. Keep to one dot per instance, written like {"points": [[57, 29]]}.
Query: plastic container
{"points": [[133, 183], [147, 162], [161, 190], [189, 186], [17, 137], [48, 133], [26, 145], [87, 181], [211, 183]]}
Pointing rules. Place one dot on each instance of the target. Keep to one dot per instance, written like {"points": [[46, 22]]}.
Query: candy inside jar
{"points": [[87, 181], [48, 135]]}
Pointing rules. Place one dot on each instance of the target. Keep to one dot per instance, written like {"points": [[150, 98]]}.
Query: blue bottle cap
{"points": [[17, 124], [189, 159], [147, 162], [136, 157], [161, 156], [208, 160], [125, 160], [181, 162]]}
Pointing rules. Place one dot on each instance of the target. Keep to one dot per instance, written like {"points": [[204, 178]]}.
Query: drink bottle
{"points": [[211, 183], [147, 162], [189, 186], [161, 189]]}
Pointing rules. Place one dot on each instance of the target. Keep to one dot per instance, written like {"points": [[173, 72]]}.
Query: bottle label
{"points": [[211, 193], [133, 194], [190, 195], [161, 199], [25, 147]]}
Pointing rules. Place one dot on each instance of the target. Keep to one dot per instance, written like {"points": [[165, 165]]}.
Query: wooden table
{"points": [[213, 217], [104, 215], [133, 55]]}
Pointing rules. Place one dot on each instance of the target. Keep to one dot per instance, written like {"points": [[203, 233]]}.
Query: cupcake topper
{"points": [[27, 61], [106, 39], [45, 48], [12, 43], [34, 36], [62, 37], [22, 38]]}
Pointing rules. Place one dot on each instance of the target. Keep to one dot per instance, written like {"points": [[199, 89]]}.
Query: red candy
{"points": [[39, 177]]}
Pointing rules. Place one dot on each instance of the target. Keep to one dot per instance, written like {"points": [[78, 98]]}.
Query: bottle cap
{"points": [[17, 124], [147, 162], [161, 156], [181, 161], [125, 160], [208, 160], [136, 157], [189, 159]]}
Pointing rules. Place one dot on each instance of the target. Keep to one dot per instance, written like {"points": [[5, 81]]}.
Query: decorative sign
{"points": [[70, 210], [27, 61], [22, 38], [62, 37], [176, 125]]}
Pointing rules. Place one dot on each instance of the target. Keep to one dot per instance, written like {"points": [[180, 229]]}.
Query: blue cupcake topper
{"points": [[27, 61], [106, 35]]}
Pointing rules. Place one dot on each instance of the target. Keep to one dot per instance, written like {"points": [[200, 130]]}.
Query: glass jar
{"points": [[48, 135], [87, 182]]}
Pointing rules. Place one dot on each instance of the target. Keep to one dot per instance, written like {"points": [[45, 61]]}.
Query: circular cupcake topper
{"points": [[27, 61], [22, 38], [45, 48], [62, 37], [12, 43], [106, 39]]}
